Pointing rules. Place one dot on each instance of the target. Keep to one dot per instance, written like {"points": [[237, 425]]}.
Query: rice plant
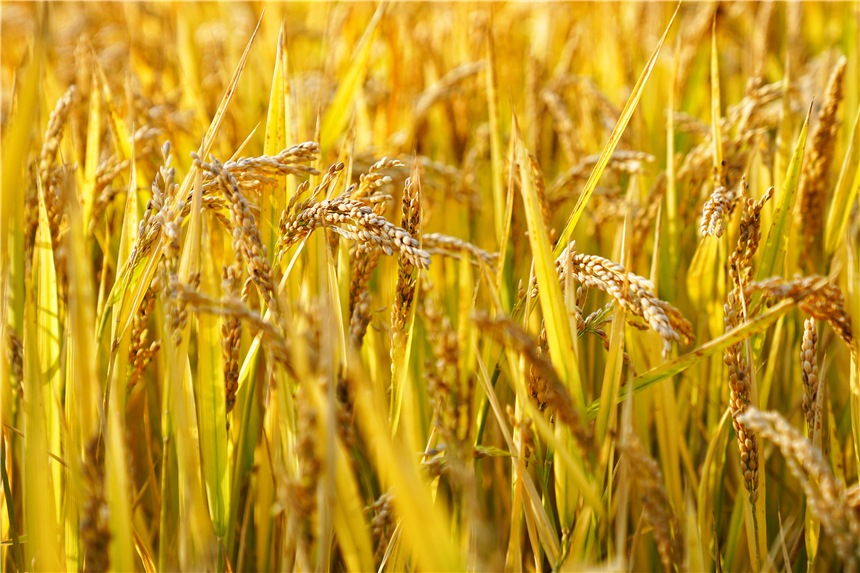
{"points": [[430, 287]]}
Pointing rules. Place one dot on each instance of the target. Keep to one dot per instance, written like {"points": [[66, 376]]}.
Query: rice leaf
{"points": [[673, 227], [92, 152], [336, 116], [195, 528], [86, 390], [777, 238], [531, 498], [551, 300], [712, 470], [681, 363], [119, 363], [612, 374], [189, 57], [853, 256], [432, 549], [16, 142], [716, 112], [17, 555], [350, 524], [144, 554], [245, 441], [845, 193], [212, 409], [811, 523], [119, 132], [273, 199], [40, 523], [504, 280], [496, 161], [48, 340], [118, 487], [782, 156], [696, 549], [614, 138]]}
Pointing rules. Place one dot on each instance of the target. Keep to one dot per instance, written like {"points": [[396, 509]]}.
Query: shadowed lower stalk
{"points": [[95, 516], [655, 500]]}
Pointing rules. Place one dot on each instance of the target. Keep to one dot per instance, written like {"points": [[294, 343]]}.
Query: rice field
{"points": [[430, 286]]}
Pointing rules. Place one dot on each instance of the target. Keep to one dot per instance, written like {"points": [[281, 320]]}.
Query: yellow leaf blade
{"points": [[614, 138], [777, 238], [336, 116], [558, 331]]}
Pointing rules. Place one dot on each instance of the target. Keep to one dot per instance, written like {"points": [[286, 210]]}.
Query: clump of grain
{"points": [[169, 219], [525, 427], [231, 335], [444, 372], [816, 170], [739, 399], [556, 396], [94, 527], [152, 222], [404, 291], [303, 488], [359, 320], [439, 244], [144, 142], [448, 181], [825, 493], [56, 123], [564, 125], [538, 385], [255, 173], [15, 356], [593, 323], [345, 413], [735, 313], [596, 272], [247, 240], [362, 261], [817, 297], [445, 87], [543, 200], [621, 160], [47, 174], [382, 524], [141, 352], [354, 221], [232, 307], [720, 204], [749, 237], [374, 179], [809, 375], [656, 506]]}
